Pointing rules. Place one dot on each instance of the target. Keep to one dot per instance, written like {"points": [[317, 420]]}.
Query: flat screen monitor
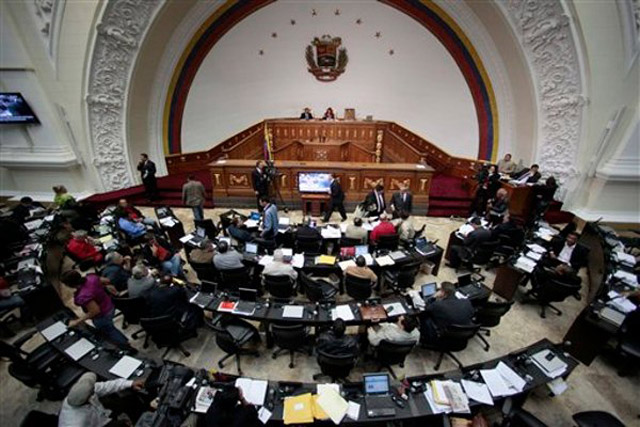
{"points": [[314, 182], [14, 109]]}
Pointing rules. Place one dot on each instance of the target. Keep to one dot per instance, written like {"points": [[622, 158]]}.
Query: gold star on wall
{"points": [[378, 34], [313, 12], [391, 52], [293, 22], [261, 52], [358, 21], [274, 35], [337, 12]]}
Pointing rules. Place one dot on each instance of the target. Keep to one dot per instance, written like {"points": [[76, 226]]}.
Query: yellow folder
{"points": [[298, 409]]}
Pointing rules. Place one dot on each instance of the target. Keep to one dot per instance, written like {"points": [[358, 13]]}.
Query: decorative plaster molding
{"points": [[629, 11], [28, 158], [620, 169], [47, 15], [117, 40], [545, 34], [626, 217]]}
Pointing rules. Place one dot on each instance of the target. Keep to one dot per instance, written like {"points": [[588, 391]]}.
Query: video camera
{"points": [[270, 171]]}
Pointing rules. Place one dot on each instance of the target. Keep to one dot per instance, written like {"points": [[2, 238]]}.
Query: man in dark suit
{"points": [[307, 232], [471, 242], [148, 174], [374, 201], [446, 310], [337, 199], [306, 114], [401, 201], [260, 183], [528, 175], [568, 252]]}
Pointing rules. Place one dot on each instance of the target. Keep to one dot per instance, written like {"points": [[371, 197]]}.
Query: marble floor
{"points": [[595, 387]]}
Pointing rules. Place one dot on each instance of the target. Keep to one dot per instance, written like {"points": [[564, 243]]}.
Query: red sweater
{"points": [[382, 229]]}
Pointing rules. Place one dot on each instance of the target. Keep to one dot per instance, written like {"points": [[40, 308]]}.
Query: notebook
{"points": [[377, 398], [428, 290]]}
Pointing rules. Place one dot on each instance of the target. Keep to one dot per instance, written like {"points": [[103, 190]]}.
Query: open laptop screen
{"points": [[428, 290], [201, 232], [464, 280], [376, 384], [362, 250], [251, 248]]}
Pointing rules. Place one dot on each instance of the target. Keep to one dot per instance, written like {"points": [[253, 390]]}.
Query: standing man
{"points": [[337, 199], [506, 165], [401, 201], [148, 174], [260, 183], [270, 219], [375, 201], [193, 195], [527, 176]]}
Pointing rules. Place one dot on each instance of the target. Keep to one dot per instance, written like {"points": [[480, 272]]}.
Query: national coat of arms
{"points": [[329, 59]]}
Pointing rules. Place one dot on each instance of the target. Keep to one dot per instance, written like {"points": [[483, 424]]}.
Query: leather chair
{"points": [[308, 246], [401, 279], [347, 242], [629, 342], [480, 256], [547, 290], [335, 367], [43, 368], [454, 338], [358, 288], [596, 419], [280, 287], [205, 271], [166, 332], [317, 290], [234, 345], [519, 417], [388, 242], [289, 337], [387, 353], [233, 279], [131, 309], [488, 315]]}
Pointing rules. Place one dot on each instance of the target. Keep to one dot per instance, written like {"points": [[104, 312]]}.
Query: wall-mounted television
{"points": [[14, 109], [314, 182]]}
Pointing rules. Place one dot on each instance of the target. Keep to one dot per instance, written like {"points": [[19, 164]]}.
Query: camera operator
{"points": [[260, 180]]}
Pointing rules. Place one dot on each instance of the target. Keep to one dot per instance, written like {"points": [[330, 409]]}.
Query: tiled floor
{"points": [[596, 387]]}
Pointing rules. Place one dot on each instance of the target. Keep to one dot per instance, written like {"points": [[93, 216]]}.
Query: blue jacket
{"points": [[133, 229]]}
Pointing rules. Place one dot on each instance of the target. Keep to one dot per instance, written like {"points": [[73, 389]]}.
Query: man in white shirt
{"points": [[82, 405], [404, 331], [278, 267]]}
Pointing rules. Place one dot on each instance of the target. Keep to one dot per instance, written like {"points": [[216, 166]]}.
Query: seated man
{"points": [[507, 227], [361, 271], [133, 214], [140, 281], [336, 343], [404, 224], [568, 252], [404, 331], [278, 267], [203, 254], [527, 175], [356, 231], [131, 228], [444, 311], [307, 232], [82, 406], [238, 231], [160, 254], [470, 243], [82, 247], [23, 211], [383, 229], [227, 258], [165, 299], [498, 207], [117, 270]]}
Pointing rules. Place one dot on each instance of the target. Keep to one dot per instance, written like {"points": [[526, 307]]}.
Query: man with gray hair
{"points": [[117, 270], [82, 406], [140, 282], [278, 267]]}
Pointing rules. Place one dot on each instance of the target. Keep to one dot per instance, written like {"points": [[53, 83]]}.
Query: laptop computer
{"points": [[464, 280], [225, 239], [247, 303], [428, 290], [362, 250], [424, 247], [377, 397]]}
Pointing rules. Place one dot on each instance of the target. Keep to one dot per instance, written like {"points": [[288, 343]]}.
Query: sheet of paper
{"points": [[54, 331], [80, 348], [465, 229], [287, 252], [342, 312], [626, 258], [385, 260], [330, 233], [626, 277], [353, 411], [394, 309], [369, 259], [326, 259], [254, 391], [477, 391], [537, 248], [125, 367], [293, 311], [32, 225], [321, 388], [264, 415], [513, 379], [457, 398], [343, 227], [460, 295], [266, 260], [496, 384], [534, 255], [557, 386], [204, 399], [297, 261], [186, 238], [251, 223], [345, 264], [333, 405], [622, 304], [435, 407]]}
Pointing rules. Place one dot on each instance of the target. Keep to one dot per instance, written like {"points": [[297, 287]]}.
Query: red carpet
{"points": [[449, 196]]}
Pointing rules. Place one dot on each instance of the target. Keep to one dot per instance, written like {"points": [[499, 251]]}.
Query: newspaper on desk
{"points": [[254, 391], [536, 248], [628, 278], [625, 258], [525, 264], [168, 221], [330, 232]]}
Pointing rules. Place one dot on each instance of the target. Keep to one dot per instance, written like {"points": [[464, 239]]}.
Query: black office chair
{"points": [[348, 242], [291, 338], [166, 332], [419, 232], [388, 242], [401, 279], [596, 419], [629, 342], [509, 246], [205, 271], [317, 290], [547, 290], [335, 367], [358, 288], [488, 315], [453, 339], [519, 417], [480, 256], [131, 309], [39, 419], [233, 279], [234, 344], [209, 227], [266, 245], [43, 368], [280, 287], [7, 316], [308, 246], [387, 353]]}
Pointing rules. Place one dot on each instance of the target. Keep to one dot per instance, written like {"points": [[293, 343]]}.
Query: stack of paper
{"points": [[623, 305], [168, 221], [80, 348], [534, 255], [465, 229], [395, 309], [266, 260], [333, 405], [385, 260], [457, 399], [345, 264], [54, 331], [254, 391], [32, 225], [626, 277], [204, 398], [297, 409], [550, 364], [342, 312], [625, 258], [293, 311], [125, 367], [477, 391], [502, 380], [329, 232], [297, 261], [525, 264], [536, 248], [353, 411], [436, 408]]}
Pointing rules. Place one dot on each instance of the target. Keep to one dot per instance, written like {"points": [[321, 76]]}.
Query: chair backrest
{"points": [[279, 286], [313, 290], [489, 313], [346, 242], [336, 366], [484, 251], [163, 330], [131, 308], [308, 246], [289, 336], [554, 290], [209, 227], [388, 241], [389, 353], [206, 271], [456, 337], [358, 288], [232, 279], [419, 232], [407, 275], [630, 328]]}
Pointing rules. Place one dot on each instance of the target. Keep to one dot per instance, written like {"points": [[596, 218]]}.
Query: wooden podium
{"points": [[314, 204]]}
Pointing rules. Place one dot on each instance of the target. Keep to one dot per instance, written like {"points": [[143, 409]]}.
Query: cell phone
{"points": [[550, 356]]}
